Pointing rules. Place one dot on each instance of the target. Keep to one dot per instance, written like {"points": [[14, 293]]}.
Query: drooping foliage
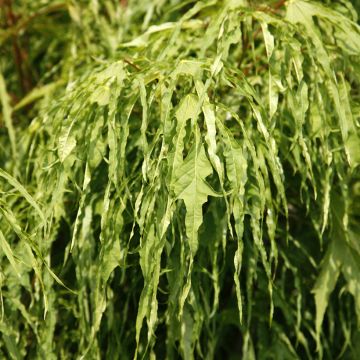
{"points": [[180, 179]]}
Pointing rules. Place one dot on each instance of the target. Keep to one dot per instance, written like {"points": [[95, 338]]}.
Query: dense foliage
{"points": [[179, 179]]}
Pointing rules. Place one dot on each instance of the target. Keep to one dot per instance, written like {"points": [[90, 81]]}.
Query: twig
{"points": [[131, 64], [245, 40], [272, 8], [279, 4]]}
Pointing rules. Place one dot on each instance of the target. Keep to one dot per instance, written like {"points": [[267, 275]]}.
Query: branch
{"points": [[19, 56], [22, 24]]}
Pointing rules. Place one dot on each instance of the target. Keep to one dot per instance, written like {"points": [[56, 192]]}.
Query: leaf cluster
{"points": [[180, 179]]}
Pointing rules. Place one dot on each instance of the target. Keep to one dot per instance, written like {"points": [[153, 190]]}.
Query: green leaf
{"points": [[236, 170], [66, 143], [20, 188], [190, 185], [324, 286], [8, 253], [7, 113]]}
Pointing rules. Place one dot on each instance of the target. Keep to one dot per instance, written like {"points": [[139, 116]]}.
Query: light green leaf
{"points": [[7, 113], [16, 185], [190, 185], [66, 143], [236, 170], [101, 95], [269, 40], [8, 253], [36, 94]]}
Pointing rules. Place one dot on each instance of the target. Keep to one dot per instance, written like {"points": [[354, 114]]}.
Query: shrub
{"points": [[182, 181]]}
